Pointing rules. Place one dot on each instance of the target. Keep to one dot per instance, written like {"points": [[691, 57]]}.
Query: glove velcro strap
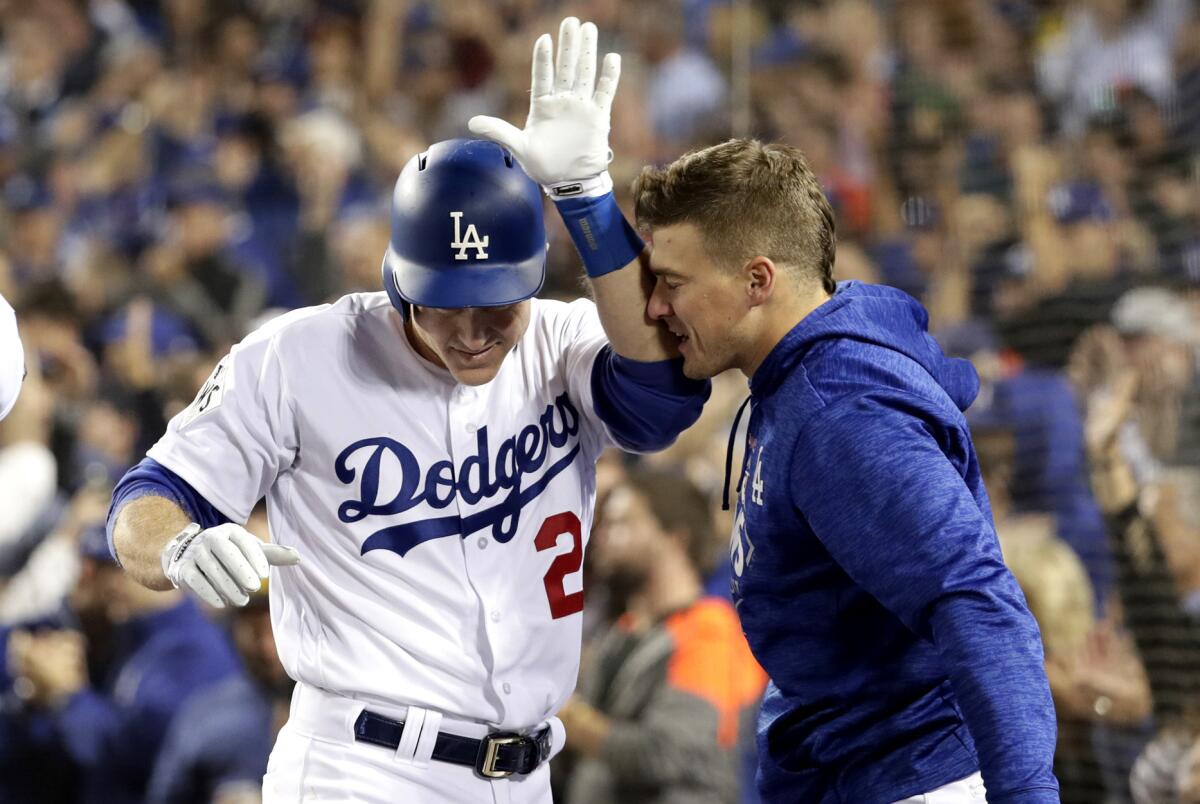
{"points": [[604, 239], [581, 188], [174, 550]]}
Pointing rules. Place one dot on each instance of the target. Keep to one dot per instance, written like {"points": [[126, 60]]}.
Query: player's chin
{"points": [[696, 368], [475, 372], [475, 376]]}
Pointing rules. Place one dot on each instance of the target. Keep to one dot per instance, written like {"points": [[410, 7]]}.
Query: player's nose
{"points": [[477, 329], [657, 307]]}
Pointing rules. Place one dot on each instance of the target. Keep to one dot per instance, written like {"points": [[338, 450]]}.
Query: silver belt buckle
{"points": [[492, 743]]}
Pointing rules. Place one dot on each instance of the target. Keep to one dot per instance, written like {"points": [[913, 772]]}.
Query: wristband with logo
{"points": [[604, 239]]}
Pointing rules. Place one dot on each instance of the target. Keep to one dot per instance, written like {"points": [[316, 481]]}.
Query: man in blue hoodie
{"points": [[866, 569]]}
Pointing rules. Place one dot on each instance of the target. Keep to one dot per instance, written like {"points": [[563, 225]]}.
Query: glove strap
{"points": [[604, 239], [174, 550], [580, 188]]}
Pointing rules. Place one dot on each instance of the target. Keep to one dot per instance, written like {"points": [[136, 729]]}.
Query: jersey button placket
{"points": [[468, 414]]}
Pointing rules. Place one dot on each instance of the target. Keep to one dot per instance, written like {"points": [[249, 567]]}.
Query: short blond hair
{"points": [[747, 199]]}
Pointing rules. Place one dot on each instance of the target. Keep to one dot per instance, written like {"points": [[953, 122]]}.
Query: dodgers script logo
{"points": [[481, 476]]}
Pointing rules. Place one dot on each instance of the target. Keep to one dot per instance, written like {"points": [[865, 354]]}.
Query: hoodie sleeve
{"points": [[894, 511]]}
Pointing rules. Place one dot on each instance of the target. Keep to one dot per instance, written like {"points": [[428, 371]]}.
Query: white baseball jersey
{"points": [[12, 359], [441, 526]]}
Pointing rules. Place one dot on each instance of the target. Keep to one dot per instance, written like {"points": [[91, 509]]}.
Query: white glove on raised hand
{"points": [[565, 140], [222, 565]]}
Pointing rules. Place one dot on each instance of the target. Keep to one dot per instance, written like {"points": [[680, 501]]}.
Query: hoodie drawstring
{"points": [[729, 454]]}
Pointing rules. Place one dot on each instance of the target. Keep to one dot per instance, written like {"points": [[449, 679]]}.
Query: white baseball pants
{"points": [[965, 791], [316, 758]]}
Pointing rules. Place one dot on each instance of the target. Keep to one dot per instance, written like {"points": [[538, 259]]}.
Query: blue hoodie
{"points": [[868, 576]]}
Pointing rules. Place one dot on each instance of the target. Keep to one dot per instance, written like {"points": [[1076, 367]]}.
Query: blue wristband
{"points": [[604, 239]]}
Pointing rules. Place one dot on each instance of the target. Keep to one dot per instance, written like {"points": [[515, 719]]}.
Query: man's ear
{"points": [[760, 275]]}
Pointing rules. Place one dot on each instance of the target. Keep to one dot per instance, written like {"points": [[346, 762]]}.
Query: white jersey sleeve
{"points": [[239, 433], [12, 359]]}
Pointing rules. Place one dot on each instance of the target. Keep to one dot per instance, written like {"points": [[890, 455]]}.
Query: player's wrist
{"points": [[603, 237], [174, 549], [590, 187]]}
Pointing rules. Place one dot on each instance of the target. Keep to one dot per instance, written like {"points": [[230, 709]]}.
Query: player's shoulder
{"points": [[841, 371], [552, 311], [555, 319], [308, 323]]}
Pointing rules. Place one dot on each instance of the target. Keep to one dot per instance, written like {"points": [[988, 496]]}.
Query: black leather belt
{"points": [[496, 756]]}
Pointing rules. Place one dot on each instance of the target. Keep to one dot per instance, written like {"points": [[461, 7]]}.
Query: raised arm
{"points": [[564, 147]]}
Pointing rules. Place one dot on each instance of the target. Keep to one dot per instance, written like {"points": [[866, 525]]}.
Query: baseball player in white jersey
{"points": [[427, 457], [12, 358]]}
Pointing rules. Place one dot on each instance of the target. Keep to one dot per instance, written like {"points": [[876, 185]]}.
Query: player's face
{"points": [[470, 342], [701, 303], [626, 538]]}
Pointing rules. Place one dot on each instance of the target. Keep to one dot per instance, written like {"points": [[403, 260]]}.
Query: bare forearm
{"points": [[621, 298], [142, 529], [1113, 482]]}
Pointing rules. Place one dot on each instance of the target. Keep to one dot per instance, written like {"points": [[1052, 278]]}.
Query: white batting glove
{"points": [[222, 565], [564, 146]]}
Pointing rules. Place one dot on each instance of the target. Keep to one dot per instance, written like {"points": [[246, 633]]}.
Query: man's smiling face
{"points": [[701, 303]]}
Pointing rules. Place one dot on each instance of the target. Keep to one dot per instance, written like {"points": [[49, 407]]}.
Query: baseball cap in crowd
{"points": [[782, 46], [1077, 202], [1152, 311], [282, 68], [232, 124], [188, 190], [168, 332], [24, 193], [93, 544], [10, 127]]}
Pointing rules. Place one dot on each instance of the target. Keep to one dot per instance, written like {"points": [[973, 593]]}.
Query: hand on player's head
{"points": [[565, 137], [224, 564]]}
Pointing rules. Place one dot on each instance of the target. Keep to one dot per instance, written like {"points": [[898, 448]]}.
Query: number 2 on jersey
{"points": [[561, 604]]}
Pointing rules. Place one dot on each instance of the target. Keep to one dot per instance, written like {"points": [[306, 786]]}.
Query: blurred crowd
{"points": [[175, 172]]}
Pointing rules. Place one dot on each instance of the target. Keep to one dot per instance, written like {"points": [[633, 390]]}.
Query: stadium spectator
{"points": [[107, 727], [685, 93], [1096, 679], [671, 683], [1105, 45]]}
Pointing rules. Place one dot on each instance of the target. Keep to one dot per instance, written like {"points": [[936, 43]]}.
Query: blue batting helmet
{"points": [[467, 229]]}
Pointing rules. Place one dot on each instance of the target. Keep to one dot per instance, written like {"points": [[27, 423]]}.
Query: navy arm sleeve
{"points": [[645, 405], [150, 477], [897, 515]]}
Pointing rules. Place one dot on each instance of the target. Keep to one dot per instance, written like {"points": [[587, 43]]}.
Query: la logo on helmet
{"points": [[471, 240]]}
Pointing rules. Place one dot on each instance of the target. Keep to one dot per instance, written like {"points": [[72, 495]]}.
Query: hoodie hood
{"points": [[876, 315]]}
